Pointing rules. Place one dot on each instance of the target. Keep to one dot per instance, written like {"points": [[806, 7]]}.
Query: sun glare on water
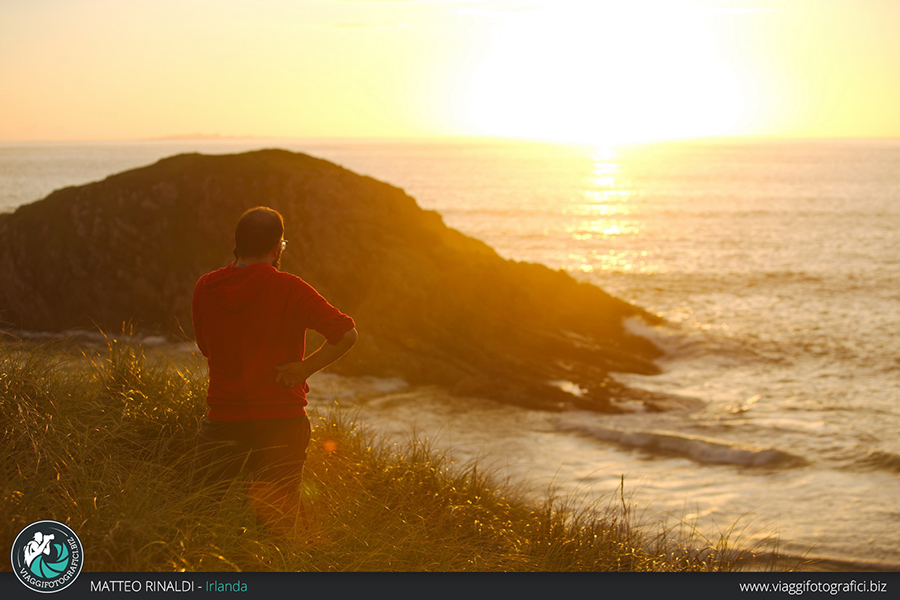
{"points": [[605, 73]]}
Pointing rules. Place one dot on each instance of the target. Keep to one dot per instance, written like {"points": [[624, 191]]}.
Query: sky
{"points": [[600, 71]]}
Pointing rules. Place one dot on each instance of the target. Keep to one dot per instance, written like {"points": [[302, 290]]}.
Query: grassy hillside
{"points": [[101, 440]]}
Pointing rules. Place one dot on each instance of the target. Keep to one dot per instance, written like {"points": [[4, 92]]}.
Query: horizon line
{"points": [[215, 137]]}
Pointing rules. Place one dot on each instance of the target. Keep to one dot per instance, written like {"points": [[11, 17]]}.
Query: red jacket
{"points": [[246, 321]]}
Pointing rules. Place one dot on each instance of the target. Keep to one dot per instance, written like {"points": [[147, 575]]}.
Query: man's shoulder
{"points": [[213, 274], [294, 282], [204, 279]]}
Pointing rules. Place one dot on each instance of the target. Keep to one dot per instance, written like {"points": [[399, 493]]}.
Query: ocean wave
{"points": [[703, 450], [881, 460], [666, 336], [695, 340]]}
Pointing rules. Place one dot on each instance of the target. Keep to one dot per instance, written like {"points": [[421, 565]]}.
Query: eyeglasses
{"points": [[283, 245]]}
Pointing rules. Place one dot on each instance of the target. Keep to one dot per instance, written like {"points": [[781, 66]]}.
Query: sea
{"points": [[774, 263]]}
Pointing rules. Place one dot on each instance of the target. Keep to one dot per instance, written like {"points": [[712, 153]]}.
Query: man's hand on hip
{"points": [[295, 373], [291, 374]]}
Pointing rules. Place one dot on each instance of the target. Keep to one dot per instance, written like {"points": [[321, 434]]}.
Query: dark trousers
{"points": [[272, 450]]}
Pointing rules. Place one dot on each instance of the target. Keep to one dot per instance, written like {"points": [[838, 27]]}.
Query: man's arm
{"points": [[295, 373]]}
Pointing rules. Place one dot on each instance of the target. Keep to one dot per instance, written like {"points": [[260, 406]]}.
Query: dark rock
{"points": [[432, 305]]}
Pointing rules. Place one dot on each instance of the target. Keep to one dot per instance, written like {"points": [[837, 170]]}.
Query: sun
{"points": [[604, 73]]}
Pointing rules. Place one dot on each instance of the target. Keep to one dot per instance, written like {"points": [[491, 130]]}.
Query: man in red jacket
{"points": [[250, 321]]}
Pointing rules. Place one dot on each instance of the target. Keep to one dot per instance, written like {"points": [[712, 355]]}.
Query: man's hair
{"points": [[258, 231]]}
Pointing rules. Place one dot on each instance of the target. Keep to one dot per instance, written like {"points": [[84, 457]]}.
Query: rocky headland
{"points": [[432, 305]]}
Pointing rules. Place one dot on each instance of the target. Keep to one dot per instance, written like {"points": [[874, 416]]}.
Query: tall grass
{"points": [[102, 441]]}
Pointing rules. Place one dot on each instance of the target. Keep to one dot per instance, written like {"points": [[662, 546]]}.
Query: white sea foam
{"points": [[663, 337], [569, 387]]}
